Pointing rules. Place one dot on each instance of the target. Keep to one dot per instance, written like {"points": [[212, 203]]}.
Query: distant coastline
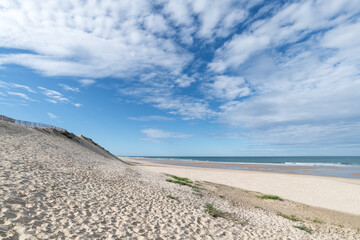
{"points": [[334, 166]]}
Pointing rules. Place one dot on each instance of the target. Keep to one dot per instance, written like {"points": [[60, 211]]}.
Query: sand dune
{"points": [[52, 187]]}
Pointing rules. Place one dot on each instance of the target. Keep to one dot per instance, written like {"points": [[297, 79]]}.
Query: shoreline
{"points": [[329, 170], [333, 193], [55, 187]]}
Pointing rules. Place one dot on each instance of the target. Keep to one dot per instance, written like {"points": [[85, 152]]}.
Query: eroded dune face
{"points": [[54, 188]]}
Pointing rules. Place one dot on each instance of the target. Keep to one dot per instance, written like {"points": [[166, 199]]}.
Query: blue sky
{"points": [[210, 78]]}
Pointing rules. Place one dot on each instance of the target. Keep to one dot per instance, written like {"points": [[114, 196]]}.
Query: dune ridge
{"points": [[54, 188]]}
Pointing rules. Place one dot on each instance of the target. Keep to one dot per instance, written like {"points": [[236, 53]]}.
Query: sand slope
{"points": [[51, 188]]}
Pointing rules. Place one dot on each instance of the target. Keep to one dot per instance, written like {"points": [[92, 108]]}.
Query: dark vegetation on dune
{"points": [[82, 140], [92, 141], [68, 134]]}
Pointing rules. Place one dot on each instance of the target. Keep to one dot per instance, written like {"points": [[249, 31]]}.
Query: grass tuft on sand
{"points": [[170, 196], [291, 217], [304, 228], [210, 209], [186, 182], [273, 197], [316, 220], [181, 181]]}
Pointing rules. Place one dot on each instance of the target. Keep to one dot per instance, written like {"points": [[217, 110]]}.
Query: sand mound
{"points": [[52, 187]]}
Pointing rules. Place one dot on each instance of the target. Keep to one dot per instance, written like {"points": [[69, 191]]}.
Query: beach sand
{"points": [[54, 187], [340, 194]]}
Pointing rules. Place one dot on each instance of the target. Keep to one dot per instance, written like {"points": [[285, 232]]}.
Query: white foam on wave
{"points": [[309, 164], [317, 164], [314, 164]]}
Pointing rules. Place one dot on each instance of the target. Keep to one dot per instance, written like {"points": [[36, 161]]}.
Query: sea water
{"points": [[336, 166]]}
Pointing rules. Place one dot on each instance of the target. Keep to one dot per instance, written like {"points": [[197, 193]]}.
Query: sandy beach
{"points": [[56, 186], [340, 194]]}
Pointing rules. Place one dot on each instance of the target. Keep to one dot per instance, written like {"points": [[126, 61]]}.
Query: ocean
{"points": [[303, 161], [335, 166]]}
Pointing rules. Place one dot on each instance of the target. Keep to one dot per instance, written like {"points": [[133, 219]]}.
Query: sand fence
{"points": [[28, 123]]}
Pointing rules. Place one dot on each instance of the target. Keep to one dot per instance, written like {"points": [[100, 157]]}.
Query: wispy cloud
{"points": [[130, 40], [157, 135], [57, 97], [22, 95], [151, 118], [52, 116], [86, 82], [292, 23], [302, 90], [228, 87], [54, 96], [23, 87], [77, 104], [68, 88], [9, 85], [162, 96], [112, 41], [184, 81]]}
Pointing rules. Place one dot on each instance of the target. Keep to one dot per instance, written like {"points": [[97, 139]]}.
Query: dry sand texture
{"points": [[340, 194], [52, 187]]}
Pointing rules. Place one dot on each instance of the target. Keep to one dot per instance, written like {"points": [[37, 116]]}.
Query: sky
{"points": [[187, 78]]}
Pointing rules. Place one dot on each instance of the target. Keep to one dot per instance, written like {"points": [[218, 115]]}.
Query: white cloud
{"points": [[179, 12], [292, 23], [123, 40], [184, 81], [15, 85], [3, 85], [107, 38], [188, 107], [228, 87], [23, 87], [68, 88], [86, 82], [303, 89], [51, 115], [304, 93], [87, 39], [162, 95], [77, 104], [54, 96], [157, 24], [217, 18], [22, 95], [151, 118], [237, 51], [156, 135]]}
